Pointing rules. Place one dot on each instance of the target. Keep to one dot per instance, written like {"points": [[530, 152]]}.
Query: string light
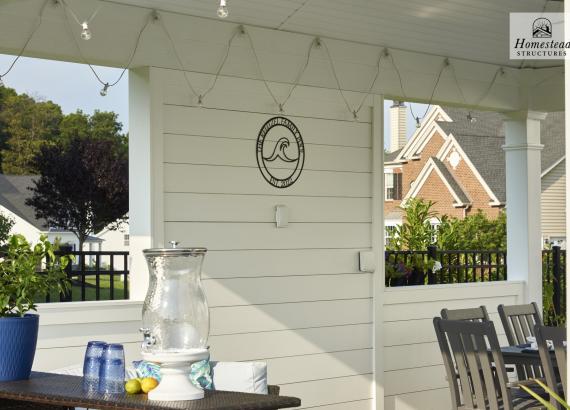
{"points": [[85, 33], [106, 85], [223, 10], [317, 42]]}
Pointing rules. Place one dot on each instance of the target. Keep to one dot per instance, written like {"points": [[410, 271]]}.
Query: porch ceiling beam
{"points": [[202, 42]]}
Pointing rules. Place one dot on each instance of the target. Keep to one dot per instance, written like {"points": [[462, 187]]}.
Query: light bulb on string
{"points": [[281, 110], [1, 82], [200, 101], [355, 115], [471, 118], [85, 32], [104, 90], [418, 123], [223, 10]]}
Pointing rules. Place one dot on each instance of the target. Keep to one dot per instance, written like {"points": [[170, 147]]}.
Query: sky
{"points": [[73, 86]]}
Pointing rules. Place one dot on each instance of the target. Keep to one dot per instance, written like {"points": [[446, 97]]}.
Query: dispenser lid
{"points": [[174, 250]]}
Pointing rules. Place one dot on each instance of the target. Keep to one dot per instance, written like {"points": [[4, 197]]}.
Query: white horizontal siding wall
{"points": [[414, 375], [553, 211], [65, 329], [292, 297]]}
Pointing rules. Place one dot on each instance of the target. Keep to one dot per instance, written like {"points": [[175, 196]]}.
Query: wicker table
{"points": [[61, 390]]}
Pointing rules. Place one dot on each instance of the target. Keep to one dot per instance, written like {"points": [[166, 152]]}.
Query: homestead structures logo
{"points": [[542, 28], [280, 152], [537, 36]]}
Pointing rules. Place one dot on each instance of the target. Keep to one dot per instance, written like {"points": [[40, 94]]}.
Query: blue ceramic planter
{"points": [[18, 338]]}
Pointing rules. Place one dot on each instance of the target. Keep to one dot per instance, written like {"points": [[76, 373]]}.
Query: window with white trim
{"points": [[393, 186], [388, 233]]}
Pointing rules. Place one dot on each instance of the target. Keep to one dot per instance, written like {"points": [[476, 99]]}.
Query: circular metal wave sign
{"points": [[280, 152]]}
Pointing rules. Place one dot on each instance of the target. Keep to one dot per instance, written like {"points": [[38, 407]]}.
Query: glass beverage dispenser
{"points": [[176, 321]]}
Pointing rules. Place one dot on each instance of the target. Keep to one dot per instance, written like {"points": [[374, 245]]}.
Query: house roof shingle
{"points": [[448, 176], [482, 142], [13, 194], [391, 156]]}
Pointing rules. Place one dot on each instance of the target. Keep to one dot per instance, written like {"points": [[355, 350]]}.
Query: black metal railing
{"points": [[95, 275], [405, 268], [455, 266], [554, 285]]}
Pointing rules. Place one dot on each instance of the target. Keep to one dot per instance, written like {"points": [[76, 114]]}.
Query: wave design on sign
{"points": [[279, 151]]}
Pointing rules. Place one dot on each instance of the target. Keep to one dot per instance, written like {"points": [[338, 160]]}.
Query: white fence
{"points": [[414, 374], [311, 363]]}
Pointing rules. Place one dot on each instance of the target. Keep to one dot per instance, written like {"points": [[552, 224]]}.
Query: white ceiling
{"points": [[470, 29]]}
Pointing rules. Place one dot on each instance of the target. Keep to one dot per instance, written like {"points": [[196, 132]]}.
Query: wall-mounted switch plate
{"points": [[281, 216], [367, 261]]}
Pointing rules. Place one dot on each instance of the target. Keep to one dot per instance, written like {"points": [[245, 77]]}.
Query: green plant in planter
{"points": [[399, 269], [28, 272]]}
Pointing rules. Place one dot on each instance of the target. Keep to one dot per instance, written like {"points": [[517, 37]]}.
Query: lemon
{"points": [[148, 383], [133, 386]]}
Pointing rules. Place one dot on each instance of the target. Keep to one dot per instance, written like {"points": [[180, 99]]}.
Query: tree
{"points": [[5, 92], [416, 231], [83, 185], [475, 231], [423, 227], [6, 225], [29, 125], [74, 125], [101, 125]]}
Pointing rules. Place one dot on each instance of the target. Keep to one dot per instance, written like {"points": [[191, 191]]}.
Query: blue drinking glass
{"points": [[112, 370], [91, 364]]}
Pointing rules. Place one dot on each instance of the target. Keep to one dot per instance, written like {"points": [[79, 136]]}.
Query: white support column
{"points": [[378, 246], [140, 177], [522, 153]]}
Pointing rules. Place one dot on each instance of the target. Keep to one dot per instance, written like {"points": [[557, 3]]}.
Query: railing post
{"points": [[65, 250], [432, 254], [556, 272], [68, 297]]}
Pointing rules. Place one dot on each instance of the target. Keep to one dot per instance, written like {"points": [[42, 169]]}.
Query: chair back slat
{"points": [[472, 314], [462, 368], [473, 346], [487, 371], [518, 322], [473, 361], [526, 326], [449, 366], [553, 362]]}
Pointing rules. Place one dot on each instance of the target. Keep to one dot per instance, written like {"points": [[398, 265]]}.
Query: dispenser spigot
{"points": [[148, 338]]}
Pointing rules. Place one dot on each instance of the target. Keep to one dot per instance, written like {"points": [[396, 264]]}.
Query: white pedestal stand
{"points": [[175, 383]]}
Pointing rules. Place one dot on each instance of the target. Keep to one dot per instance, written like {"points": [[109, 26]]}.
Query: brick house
{"points": [[455, 158]]}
